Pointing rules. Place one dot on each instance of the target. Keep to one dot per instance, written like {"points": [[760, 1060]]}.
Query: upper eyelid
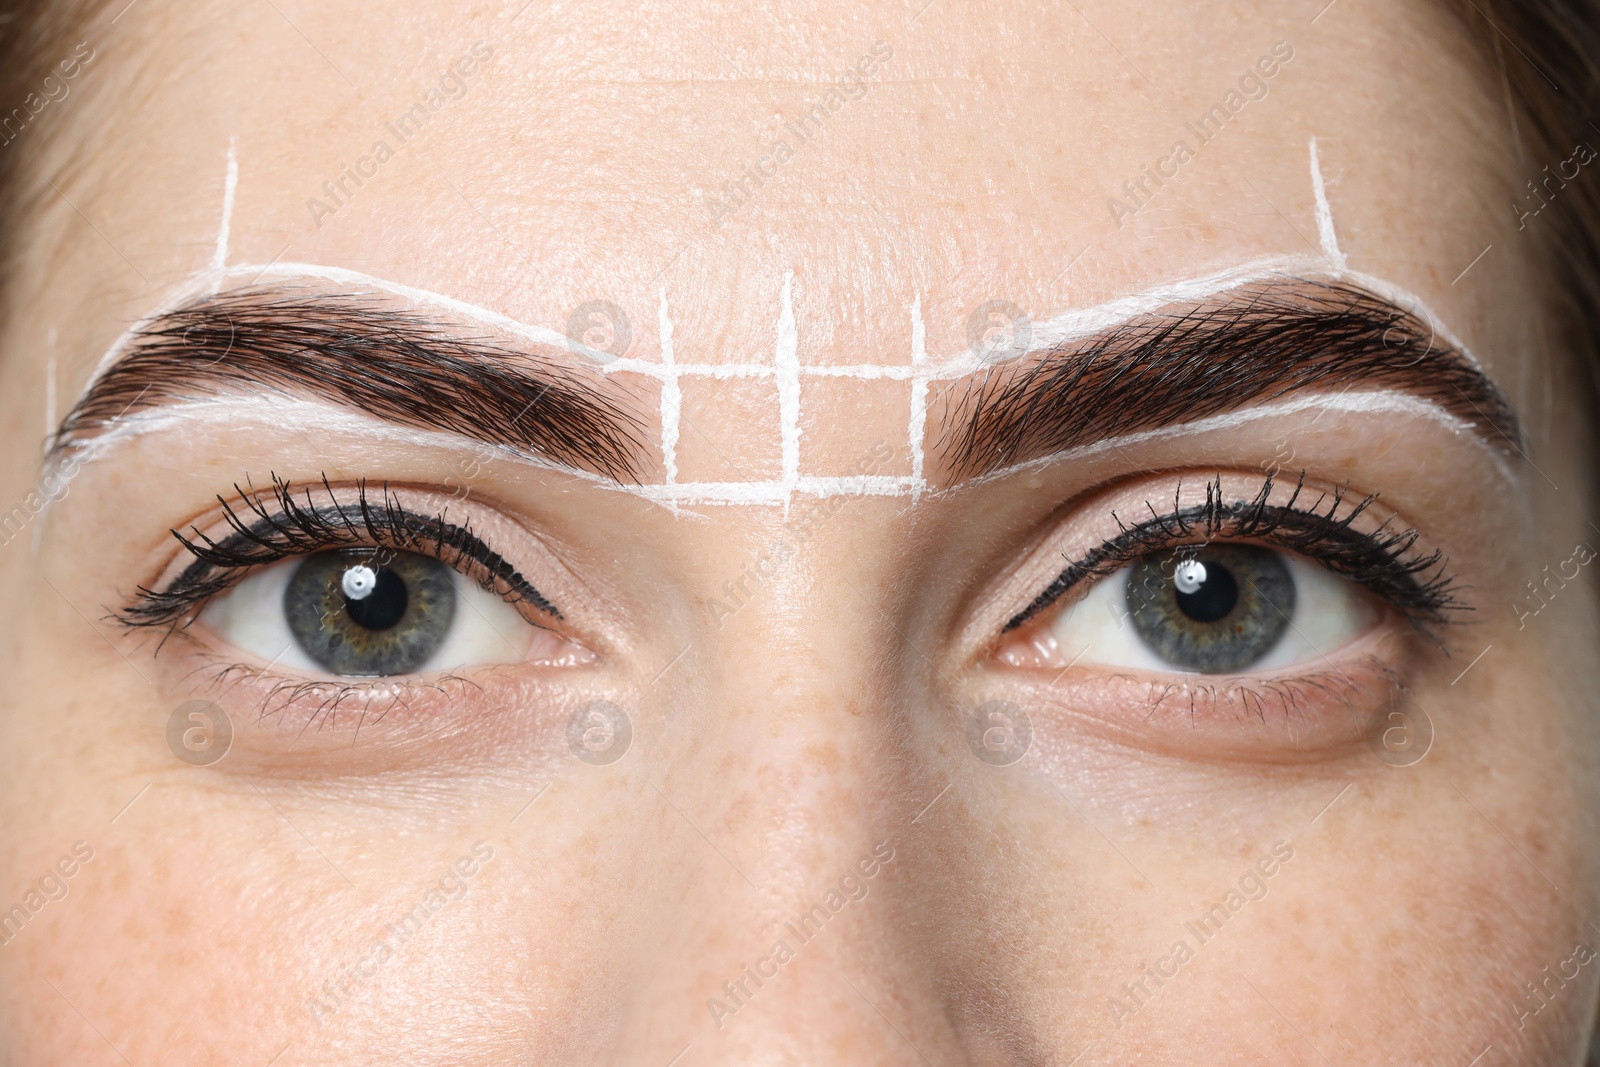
{"points": [[363, 525], [1433, 597]]}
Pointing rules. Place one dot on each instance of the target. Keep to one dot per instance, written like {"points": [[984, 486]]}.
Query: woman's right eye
{"points": [[373, 612]]}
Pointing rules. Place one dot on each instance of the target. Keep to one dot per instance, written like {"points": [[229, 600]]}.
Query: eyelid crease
{"points": [[294, 530], [1374, 559]]}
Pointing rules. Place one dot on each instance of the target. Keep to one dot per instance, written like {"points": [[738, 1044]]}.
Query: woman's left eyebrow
{"points": [[1240, 349], [396, 363]]}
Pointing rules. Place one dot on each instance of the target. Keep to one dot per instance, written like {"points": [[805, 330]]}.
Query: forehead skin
{"points": [[977, 166], [580, 161]]}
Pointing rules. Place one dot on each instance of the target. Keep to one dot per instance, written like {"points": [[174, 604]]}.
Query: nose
{"points": [[782, 799]]}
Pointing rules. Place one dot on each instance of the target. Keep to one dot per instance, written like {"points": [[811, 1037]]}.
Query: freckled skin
{"points": [[300, 899]]}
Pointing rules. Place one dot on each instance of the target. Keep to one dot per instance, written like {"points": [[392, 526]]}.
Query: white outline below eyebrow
{"points": [[1063, 328], [1362, 402]]}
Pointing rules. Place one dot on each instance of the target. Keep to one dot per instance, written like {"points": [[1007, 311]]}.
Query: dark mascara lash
{"points": [[1376, 559], [261, 534]]}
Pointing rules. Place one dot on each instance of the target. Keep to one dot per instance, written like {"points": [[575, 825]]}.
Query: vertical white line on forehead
{"points": [[671, 397], [1325, 230], [786, 362], [230, 185], [919, 395], [787, 370]]}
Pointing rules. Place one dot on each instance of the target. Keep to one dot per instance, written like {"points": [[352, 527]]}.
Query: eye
{"points": [[1217, 609], [367, 613]]}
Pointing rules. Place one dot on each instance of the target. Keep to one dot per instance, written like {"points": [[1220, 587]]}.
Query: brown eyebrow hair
{"points": [[392, 362], [1243, 347]]}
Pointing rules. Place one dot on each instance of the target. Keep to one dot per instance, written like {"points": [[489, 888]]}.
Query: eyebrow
{"points": [[1246, 347], [391, 362]]}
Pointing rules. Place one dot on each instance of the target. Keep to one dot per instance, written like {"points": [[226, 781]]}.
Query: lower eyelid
{"points": [[1325, 711]]}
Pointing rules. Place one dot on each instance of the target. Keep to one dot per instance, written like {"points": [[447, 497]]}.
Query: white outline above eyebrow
{"points": [[1067, 326], [202, 284], [919, 371]]}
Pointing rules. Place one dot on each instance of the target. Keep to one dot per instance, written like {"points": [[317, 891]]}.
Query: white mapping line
{"points": [[1089, 321], [671, 397], [1066, 327], [1372, 401], [919, 395], [205, 282], [786, 359], [1085, 322], [230, 184], [787, 371], [1325, 231], [290, 413], [1082, 322], [778, 492], [316, 416]]}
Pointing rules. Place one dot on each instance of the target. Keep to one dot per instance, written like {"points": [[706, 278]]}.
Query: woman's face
{"points": [[899, 534]]}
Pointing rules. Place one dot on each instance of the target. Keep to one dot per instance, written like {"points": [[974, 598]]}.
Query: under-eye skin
{"points": [[1235, 586], [320, 583]]}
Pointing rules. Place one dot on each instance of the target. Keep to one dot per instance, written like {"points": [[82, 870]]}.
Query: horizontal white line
{"points": [[775, 491]]}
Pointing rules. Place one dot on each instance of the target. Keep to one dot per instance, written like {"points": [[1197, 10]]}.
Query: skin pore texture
{"points": [[744, 797]]}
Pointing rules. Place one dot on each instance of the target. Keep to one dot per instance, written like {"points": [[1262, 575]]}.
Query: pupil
{"points": [[1215, 597], [384, 606]]}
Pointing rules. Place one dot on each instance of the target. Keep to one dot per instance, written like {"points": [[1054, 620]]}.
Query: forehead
{"points": [[901, 172]]}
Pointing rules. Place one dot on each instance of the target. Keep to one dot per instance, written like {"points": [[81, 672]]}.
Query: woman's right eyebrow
{"points": [[395, 363]]}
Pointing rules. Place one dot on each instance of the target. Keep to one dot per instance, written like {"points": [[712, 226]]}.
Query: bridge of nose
{"points": [[789, 797]]}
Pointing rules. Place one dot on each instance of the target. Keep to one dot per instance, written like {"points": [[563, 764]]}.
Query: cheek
{"points": [[1417, 875]]}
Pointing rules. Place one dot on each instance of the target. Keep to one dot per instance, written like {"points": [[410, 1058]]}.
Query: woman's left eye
{"points": [[368, 613], [1215, 609]]}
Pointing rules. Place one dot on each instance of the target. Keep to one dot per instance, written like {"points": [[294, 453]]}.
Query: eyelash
{"points": [[263, 534], [1377, 559]]}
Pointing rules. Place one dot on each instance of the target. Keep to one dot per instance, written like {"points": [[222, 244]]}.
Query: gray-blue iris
{"points": [[1215, 610], [400, 616]]}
